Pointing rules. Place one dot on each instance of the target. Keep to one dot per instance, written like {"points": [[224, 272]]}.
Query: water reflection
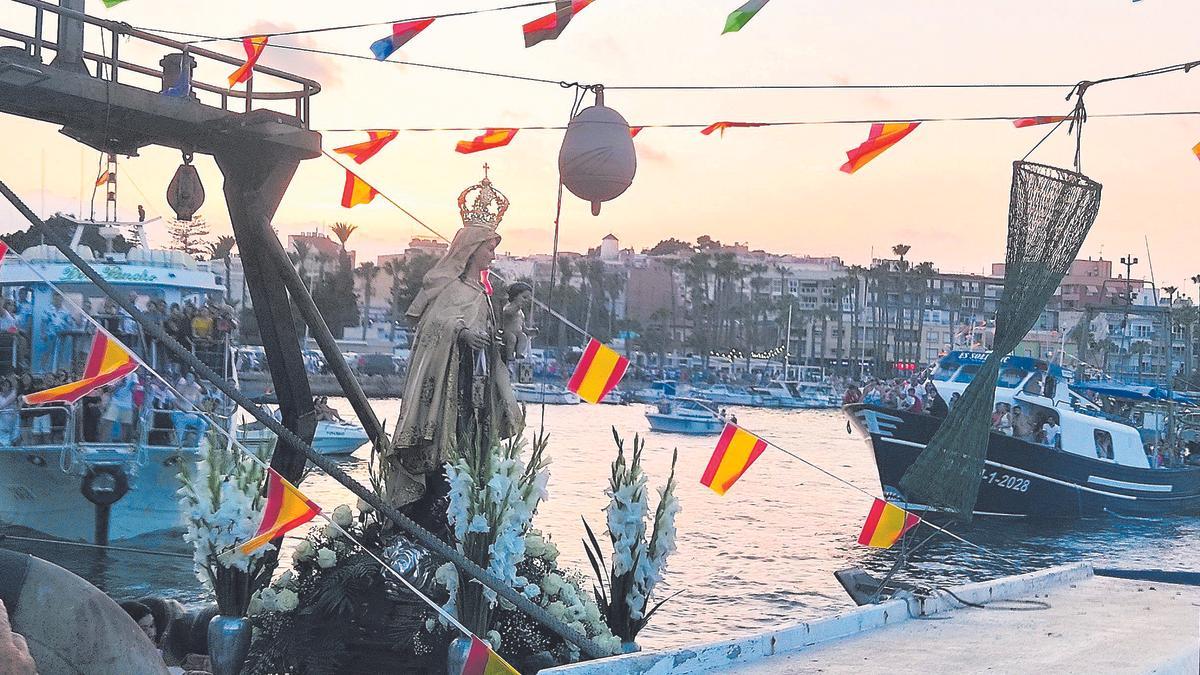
{"points": [[762, 555]]}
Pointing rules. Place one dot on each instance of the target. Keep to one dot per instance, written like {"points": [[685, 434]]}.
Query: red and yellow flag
{"points": [[549, 27], [1041, 119], [1196, 150], [102, 179], [356, 191], [254, 47], [401, 34], [882, 137], [107, 362], [634, 131], [735, 452], [491, 138], [287, 509], [481, 660], [3, 251], [886, 524], [722, 126], [599, 370], [361, 152]]}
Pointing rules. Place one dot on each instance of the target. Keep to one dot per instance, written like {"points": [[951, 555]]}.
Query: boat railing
{"points": [[109, 65], [40, 425]]}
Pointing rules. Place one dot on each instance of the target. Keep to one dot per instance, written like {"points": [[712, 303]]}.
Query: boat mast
{"points": [[787, 343]]}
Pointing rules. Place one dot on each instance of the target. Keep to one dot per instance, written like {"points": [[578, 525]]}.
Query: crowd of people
{"points": [[917, 395]]}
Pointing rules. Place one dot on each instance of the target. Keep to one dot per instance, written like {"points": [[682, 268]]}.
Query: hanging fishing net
{"points": [[1049, 215]]}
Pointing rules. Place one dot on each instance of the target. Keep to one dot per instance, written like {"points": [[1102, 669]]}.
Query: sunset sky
{"points": [[943, 190]]}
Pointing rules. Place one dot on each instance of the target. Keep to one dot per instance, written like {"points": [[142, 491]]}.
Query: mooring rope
{"points": [[423, 536]]}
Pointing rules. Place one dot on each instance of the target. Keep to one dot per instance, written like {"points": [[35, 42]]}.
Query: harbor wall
{"points": [[374, 386], [717, 655]]}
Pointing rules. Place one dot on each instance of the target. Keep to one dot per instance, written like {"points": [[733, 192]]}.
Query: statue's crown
{"points": [[487, 204]]}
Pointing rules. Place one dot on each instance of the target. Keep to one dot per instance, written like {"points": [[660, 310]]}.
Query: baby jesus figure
{"points": [[516, 334]]}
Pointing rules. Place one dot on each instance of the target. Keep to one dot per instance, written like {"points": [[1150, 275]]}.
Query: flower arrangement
{"points": [[222, 504], [493, 495], [638, 561]]}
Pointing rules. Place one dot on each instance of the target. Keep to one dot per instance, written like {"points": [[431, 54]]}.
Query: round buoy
{"points": [[597, 161]]}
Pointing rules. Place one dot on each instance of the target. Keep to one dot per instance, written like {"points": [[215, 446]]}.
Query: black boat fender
{"points": [[71, 627]]}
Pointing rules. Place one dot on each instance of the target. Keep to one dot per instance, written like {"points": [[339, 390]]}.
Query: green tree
{"points": [[335, 299], [188, 235], [367, 272], [222, 249]]}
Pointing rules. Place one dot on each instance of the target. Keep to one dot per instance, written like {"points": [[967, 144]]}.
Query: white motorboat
{"points": [[333, 437], [658, 390], [551, 394], [723, 394], [685, 416]]}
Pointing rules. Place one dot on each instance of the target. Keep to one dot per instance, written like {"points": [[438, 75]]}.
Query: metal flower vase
{"points": [[228, 643]]}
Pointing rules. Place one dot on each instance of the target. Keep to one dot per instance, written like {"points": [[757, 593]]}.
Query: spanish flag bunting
{"points": [[882, 137], [361, 152], [1041, 119], [886, 524], [722, 126], [598, 372], [481, 660], [108, 361], [401, 33], [109, 4], [254, 47], [287, 509], [735, 452], [103, 178], [549, 27], [1196, 150], [356, 191], [490, 138], [634, 131], [742, 15]]}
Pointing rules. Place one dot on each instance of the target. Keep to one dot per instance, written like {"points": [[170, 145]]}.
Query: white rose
{"points": [[343, 516], [303, 552], [287, 600], [552, 584], [592, 613], [494, 639], [550, 554], [532, 591], [364, 507], [430, 624], [285, 579], [331, 532], [557, 609], [326, 558], [268, 598]]}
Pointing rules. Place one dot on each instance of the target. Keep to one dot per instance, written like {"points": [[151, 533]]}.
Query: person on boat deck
{"points": [[1051, 431], [117, 421], [852, 395], [954, 399], [1024, 426], [1001, 420], [934, 404], [54, 322], [1104, 449], [1033, 385], [202, 324], [912, 402], [872, 395], [8, 412]]}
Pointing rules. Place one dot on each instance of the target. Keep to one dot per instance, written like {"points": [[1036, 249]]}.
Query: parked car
{"points": [[376, 364]]}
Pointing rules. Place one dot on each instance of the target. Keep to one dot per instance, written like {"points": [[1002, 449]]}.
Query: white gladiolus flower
{"points": [[326, 558], [343, 516], [479, 524]]}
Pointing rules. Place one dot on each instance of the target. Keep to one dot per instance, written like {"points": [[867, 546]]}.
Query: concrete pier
{"points": [[1092, 625]]}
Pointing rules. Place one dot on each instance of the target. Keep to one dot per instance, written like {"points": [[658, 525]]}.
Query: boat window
{"points": [[966, 374], [1104, 444], [1010, 377], [944, 373]]}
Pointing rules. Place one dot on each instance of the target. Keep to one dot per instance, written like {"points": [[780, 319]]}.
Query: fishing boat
{"points": [[723, 394], [539, 392], [685, 416], [1097, 465], [332, 437], [61, 479]]}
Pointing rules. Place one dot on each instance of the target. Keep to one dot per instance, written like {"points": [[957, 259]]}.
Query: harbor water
{"points": [[759, 557]]}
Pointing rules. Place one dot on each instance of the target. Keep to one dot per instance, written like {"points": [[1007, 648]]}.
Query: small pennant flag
{"points": [[361, 152], [1034, 121], [886, 524], [742, 15], [107, 362], [882, 137], [401, 34], [481, 660], [254, 47], [491, 138], [287, 509], [102, 179], [1196, 150], [485, 279], [109, 4], [3, 251], [598, 372], [735, 452], [356, 191], [549, 27], [722, 126], [634, 131]]}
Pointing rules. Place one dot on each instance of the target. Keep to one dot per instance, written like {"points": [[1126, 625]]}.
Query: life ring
{"points": [[71, 627], [104, 484]]}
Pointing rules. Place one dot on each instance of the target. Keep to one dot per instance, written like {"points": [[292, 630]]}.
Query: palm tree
{"points": [[367, 272], [394, 268], [222, 249], [343, 231], [901, 250]]}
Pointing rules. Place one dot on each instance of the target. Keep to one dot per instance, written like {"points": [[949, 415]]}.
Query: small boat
{"points": [[723, 394], [658, 390], [551, 394], [615, 397], [685, 416], [333, 437], [1097, 464]]}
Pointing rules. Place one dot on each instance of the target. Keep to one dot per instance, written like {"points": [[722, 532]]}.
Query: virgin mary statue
{"points": [[457, 384]]}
